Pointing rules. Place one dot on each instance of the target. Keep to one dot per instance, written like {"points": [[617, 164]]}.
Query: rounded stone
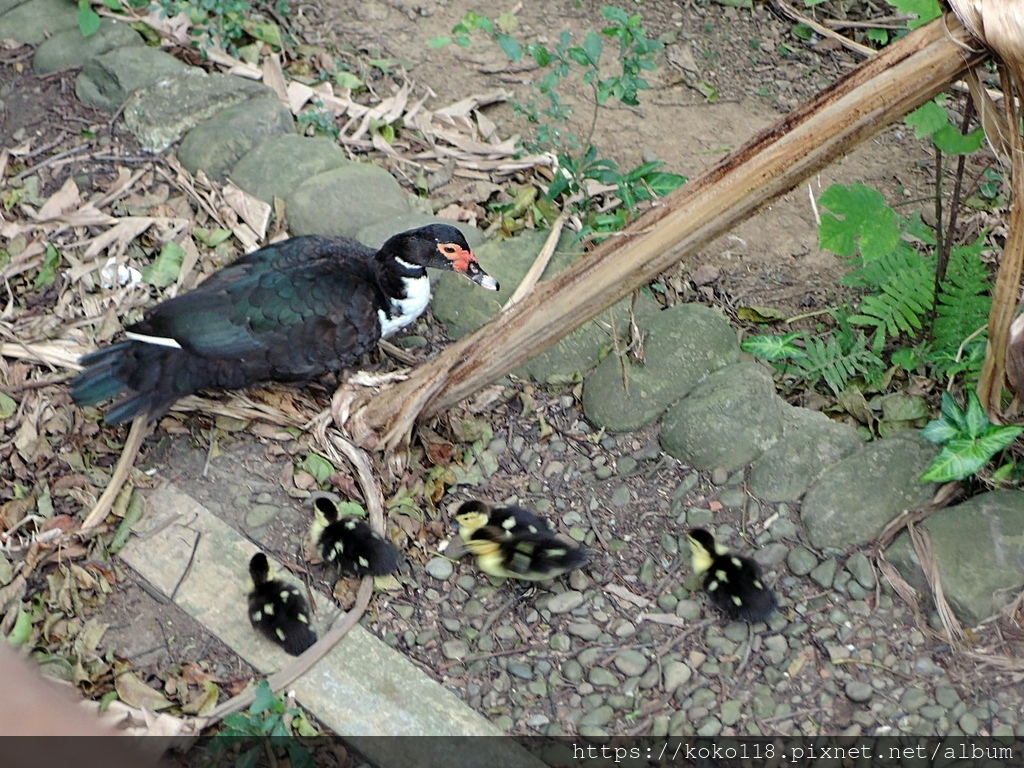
{"points": [[440, 568], [801, 561], [565, 602], [858, 692], [631, 663], [455, 649]]}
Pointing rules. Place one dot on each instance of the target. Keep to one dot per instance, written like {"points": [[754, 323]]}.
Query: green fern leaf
{"points": [[828, 360], [964, 301], [902, 299]]}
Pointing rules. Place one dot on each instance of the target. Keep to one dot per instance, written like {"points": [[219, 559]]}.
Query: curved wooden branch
{"points": [[875, 94]]}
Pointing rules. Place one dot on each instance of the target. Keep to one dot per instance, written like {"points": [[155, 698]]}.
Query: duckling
{"points": [[349, 543], [733, 582], [514, 543], [513, 520], [278, 609]]}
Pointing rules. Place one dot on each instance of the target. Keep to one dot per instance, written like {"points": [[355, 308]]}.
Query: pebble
{"points": [[710, 727], [732, 497], [676, 674], [719, 476], [584, 630], [730, 712], [858, 692], [520, 670], [699, 518], [626, 465], [405, 611], [770, 555], [602, 715], [688, 609], [825, 573], [801, 561], [631, 663], [602, 678], [783, 529], [969, 724], [621, 496], [261, 514], [440, 568], [913, 699], [565, 602], [603, 472], [455, 649], [572, 671], [861, 569], [560, 643]]}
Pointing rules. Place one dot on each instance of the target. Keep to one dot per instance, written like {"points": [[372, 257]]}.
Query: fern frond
{"points": [[964, 301], [903, 298], [828, 360]]}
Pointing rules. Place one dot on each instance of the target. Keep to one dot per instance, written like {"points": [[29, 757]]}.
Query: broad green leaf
{"points": [[952, 142], [867, 222], [939, 431], [351, 508], [952, 411], [439, 42], [997, 438], [88, 19], [265, 31], [21, 632], [250, 758], [318, 467], [510, 46], [592, 45], [264, 699], [927, 119], [507, 22], [7, 406], [165, 267], [539, 53], [957, 460], [879, 36], [211, 237], [298, 755], [975, 418], [925, 10], [348, 80], [615, 14], [663, 182], [48, 271]]}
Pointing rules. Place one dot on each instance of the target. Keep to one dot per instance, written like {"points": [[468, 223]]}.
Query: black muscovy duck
{"points": [[278, 609], [290, 311], [734, 583], [514, 543]]}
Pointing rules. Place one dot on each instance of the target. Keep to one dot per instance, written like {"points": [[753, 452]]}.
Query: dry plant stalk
{"points": [[878, 92]]}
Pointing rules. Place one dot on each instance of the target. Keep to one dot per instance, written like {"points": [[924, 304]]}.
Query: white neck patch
{"points": [[405, 311]]}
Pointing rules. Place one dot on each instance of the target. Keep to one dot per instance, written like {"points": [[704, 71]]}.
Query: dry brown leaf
{"points": [[132, 691], [252, 210], [60, 202]]}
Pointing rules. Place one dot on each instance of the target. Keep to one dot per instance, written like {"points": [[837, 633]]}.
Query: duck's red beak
{"points": [[464, 262]]}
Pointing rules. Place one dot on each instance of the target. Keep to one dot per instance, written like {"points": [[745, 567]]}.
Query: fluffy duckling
{"points": [[514, 543], [278, 609], [733, 582], [349, 543]]}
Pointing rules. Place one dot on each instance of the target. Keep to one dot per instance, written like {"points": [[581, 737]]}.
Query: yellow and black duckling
{"points": [[349, 543], [733, 582], [278, 609], [514, 543]]}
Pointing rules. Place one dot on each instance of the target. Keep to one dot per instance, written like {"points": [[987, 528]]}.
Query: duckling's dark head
{"points": [[259, 569], [441, 246], [698, 537], [472, 515], [325, 508]]}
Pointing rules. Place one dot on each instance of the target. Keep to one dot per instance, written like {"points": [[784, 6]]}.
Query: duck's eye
{"points": [[448, 249]]}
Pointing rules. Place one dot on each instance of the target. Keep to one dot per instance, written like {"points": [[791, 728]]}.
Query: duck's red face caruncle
{"points": [[464, 262]]}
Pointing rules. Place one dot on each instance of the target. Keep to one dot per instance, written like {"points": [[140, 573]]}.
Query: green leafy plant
{"points": [[317, 121], [272, 725], [550, 112], [968, 439], [226, 24]]}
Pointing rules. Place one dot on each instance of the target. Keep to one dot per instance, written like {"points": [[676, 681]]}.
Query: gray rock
{"points": [[603, 678], [979, 546], [584, 630], [33, 22], [463, 307], [342, 201], [825, 573], [106, 81], [216, 145], [727, 421], [858, 692], [375, 234], [730, 712], [169, 107], [861, 569], [455, 649], [6, 5], [913, 699], [810, 444], [851, 504], [770, 554], [72, 49], [276, 166], [676, 674], [440, 568], [801, 561], [565, 602], [683, 345], [631, 663], [621, 496]]}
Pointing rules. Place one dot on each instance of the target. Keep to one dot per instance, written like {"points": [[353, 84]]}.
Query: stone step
{"points": [[361, 688]]}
